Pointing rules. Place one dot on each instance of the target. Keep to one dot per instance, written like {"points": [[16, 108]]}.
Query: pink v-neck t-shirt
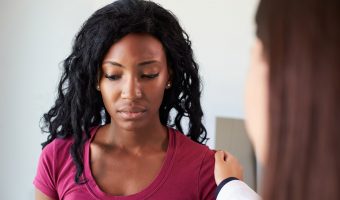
{"points": [[187, 173]]}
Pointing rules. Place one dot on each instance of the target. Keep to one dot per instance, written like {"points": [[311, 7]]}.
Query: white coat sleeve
{"points": [[236, 190]]}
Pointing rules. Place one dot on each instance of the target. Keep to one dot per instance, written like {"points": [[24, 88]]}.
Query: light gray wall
{"points": [[231, 135], [36, 35]]}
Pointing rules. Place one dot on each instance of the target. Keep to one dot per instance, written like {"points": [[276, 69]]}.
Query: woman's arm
{"points": [[41, 196]]}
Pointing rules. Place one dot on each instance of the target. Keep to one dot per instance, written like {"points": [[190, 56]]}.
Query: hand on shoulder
{"points": [[226, 165]]}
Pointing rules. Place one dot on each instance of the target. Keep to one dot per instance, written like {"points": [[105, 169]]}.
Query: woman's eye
{"points": [[150, 76], [112, 77]]}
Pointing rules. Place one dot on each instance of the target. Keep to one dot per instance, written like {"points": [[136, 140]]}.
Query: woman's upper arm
{"points": [[41, 196], [45, 179]]}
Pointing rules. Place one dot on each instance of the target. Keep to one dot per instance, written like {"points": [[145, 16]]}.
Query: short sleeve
{"points": [[206, 184], [45, 179]]}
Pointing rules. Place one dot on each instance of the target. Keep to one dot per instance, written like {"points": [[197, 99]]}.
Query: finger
{"points": [[219, 156], [229, 156]]}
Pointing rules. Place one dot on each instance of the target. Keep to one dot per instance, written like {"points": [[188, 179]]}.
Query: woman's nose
{"points": [[131, 89]]}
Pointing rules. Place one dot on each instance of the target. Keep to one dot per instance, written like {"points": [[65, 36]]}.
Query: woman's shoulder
{"points": [[187, 146], [184, 140], [197, 161], [59, 147], [57, 154], [63, 145]]}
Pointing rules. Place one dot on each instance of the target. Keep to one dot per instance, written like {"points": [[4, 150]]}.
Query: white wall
{"points": [[36, 35]]}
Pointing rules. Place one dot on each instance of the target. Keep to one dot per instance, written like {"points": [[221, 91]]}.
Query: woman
{"points": [[109, 138], [293, 96]]}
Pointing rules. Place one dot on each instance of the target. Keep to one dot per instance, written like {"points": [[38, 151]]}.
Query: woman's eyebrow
{"points": [[147, 62], [139, 64], [113, 63]]}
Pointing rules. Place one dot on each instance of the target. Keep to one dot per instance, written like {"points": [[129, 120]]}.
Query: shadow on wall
{"points": [[231, 136]]}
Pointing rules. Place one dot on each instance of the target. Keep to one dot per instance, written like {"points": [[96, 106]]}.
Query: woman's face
{"points": [[256, 102], [133, 80]]}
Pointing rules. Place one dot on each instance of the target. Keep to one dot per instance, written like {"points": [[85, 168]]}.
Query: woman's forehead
{"points": [[136, 46]]}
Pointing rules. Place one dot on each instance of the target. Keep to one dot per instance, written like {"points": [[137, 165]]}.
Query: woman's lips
{"points": [[131, 113]]}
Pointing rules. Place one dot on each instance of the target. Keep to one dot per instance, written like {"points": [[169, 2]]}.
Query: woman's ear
{"points": [[169, 83], [98, 79]]}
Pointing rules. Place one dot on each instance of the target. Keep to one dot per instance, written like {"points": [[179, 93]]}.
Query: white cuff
{"points": [[237, 190]]}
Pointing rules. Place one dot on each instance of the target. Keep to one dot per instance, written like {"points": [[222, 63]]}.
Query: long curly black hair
{"points": [[79, 106]]}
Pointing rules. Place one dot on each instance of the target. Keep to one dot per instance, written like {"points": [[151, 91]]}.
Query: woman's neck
{"points": [[143, 140]]}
